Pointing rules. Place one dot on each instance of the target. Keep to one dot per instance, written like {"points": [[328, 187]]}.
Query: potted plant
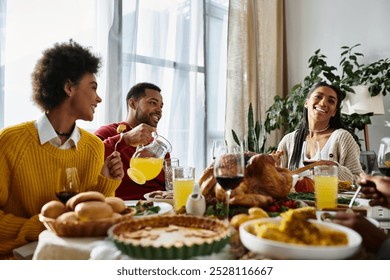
{"points": [[254, 138], [286, 113]]}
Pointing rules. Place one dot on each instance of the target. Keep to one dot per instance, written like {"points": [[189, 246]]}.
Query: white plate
{"points": [[148, 198], [164, 207], [282, 250]]}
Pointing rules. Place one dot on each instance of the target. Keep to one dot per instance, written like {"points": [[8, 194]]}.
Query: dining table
{"points": [[53, 247]]}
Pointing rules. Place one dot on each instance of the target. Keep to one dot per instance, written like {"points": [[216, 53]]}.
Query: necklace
{"points": [[321, 130], [63, 133]]}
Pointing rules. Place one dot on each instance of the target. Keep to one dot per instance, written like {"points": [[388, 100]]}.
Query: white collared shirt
{"points": [[47, 133]]}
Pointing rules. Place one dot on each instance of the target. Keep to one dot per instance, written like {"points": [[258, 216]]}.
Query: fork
{"points": [[349, 210], [120, 139]]}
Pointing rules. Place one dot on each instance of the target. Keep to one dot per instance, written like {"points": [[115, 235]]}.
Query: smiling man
{"points": [[144, 105]]}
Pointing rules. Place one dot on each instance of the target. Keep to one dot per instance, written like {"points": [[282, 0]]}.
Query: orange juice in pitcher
{"points": [[150, 167], [147, 161]]}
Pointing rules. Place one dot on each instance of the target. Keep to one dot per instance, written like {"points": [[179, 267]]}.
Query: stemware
{"points": [[384, 159], [229, 169], [216, 145], [68, 183]]}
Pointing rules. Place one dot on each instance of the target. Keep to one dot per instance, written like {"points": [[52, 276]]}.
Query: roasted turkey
{"points": [[263, 181]]}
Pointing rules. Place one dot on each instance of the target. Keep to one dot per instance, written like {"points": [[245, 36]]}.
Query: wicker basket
{"points": [[84, 228]]}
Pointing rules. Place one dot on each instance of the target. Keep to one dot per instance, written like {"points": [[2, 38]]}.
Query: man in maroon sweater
{"points": [[144, 105]]}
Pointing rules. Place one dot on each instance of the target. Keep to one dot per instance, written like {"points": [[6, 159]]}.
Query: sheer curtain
{"points": [[33, 26], [164, 44], [255, 62], [3, 4]]}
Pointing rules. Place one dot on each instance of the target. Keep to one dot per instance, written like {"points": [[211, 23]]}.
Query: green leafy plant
{"points": [[287, 113], [254, 139]]}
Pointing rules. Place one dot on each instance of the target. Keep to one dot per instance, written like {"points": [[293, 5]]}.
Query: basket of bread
{"points": [[87, 214]]}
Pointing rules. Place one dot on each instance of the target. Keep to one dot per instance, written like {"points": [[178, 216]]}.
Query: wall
{"points": [[330, 24]]}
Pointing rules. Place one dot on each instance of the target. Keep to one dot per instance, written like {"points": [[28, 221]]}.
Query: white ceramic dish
{"points": [[164, 207], [281, 250], [154, 199]]}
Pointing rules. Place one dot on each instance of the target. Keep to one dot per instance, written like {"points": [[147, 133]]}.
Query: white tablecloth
{"points": [[52, 247]]}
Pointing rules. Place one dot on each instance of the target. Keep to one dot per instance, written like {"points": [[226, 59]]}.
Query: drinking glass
{"points": [[311, 152], [325, 186], [169, 165], [229, 169], [368, 160], [216, 145], [183, 185], [384, 159], [68, 183]]}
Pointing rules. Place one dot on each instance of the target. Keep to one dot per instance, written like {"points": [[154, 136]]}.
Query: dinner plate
{"points": [[148, 197], [164, 207], [282, 250]]}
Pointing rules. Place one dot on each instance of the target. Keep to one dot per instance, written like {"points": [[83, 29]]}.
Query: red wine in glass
{"points": [[68, 183], [229, 182], [384, 159], [385, 171], [229, 170], [307, 162], [64, 196]]}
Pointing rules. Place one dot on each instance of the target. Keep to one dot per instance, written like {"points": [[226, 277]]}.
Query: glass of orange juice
{"points": [[183, 185], [325, 186]]}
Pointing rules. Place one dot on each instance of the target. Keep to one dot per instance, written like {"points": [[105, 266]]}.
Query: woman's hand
{"points": [[113, 167], [376, 188]]}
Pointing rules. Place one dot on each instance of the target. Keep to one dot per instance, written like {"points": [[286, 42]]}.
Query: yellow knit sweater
{"points": [[28, 181]]}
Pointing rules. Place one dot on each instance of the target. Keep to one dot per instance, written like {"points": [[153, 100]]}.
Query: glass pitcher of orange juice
{"points": [[147, 161]]}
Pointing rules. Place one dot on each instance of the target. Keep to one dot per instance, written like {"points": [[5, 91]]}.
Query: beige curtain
{"points": [[255, 63]]}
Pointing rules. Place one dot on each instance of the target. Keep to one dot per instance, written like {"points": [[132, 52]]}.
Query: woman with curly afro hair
{"points": [[65, 88]]}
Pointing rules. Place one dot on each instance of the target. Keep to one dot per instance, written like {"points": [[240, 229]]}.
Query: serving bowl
{"points": [[281, 250]]}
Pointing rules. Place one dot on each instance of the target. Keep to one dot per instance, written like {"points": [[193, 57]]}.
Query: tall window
{"points": [[163, 42]]}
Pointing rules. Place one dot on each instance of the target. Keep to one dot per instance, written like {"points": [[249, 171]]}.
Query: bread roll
{"points": [[114, 216], [117, 204], [67, 217], [53, 209], [93, 210], [82, 197]]}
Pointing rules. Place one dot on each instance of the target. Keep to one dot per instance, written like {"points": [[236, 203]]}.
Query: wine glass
{"points": [[216, 145], [229, 169], [68, 183], [384, 159], [311, 152]]}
